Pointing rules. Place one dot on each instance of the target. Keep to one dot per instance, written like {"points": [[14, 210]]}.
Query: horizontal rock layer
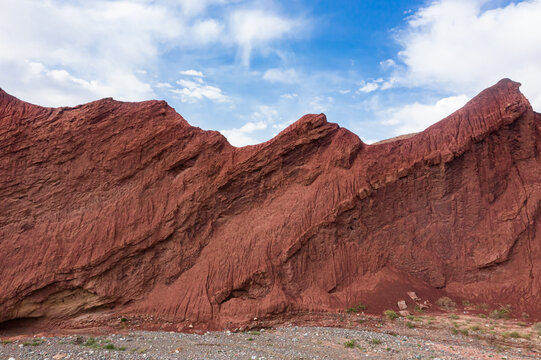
{"points": [[125, 208]]}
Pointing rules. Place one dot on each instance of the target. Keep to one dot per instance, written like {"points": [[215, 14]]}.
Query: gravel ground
{"points": [[282, 343]]}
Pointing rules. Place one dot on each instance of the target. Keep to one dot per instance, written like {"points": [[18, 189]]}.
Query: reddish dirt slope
{"points": [[127, 208]]}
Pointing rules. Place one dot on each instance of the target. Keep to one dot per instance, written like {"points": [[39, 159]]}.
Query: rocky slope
{"points": [[125, 208]]}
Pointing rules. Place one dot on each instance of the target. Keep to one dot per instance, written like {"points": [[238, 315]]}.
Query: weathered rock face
{"points": [[126, 208]]}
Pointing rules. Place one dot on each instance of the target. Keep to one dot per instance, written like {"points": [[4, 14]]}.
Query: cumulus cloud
{"points": [[243, 136], [194, 73], [263, 118], [378, 84], [288, 76], [461, 47], [368, 87], [207, 31], [113, 48], [417, 117], [194, 91], [104, 46]]}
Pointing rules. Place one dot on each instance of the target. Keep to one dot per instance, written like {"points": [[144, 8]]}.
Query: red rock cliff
{"points": [[126, 208]]}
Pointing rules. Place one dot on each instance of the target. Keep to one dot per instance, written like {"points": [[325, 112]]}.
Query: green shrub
{"points": [[501, 313], [410, 325], [34, 342], [350, 343], [356, 308], [375, 341], [446, 302], [91, 342], [390, 314]]}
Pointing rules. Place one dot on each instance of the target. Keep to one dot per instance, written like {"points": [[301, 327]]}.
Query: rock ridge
{"points": [[116, 208]]}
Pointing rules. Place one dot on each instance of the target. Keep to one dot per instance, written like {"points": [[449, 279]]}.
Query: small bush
{"points": [[501, 313], [410, 317], [482, 306], [5, 342], [454, 316], [390, 314], [419, 309], [34, 342], [356, 309], [410, 325], [375, 341], [90, 342], [454, 331], [464, 332], [446, 302], [475, 327], [514, 335], [350, 343], [123, 320]]}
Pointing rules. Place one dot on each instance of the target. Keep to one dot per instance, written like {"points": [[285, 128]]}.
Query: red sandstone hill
{"points": [[126, 209]]}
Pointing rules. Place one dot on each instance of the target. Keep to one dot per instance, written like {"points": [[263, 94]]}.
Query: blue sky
{"points": [[249, 68]]}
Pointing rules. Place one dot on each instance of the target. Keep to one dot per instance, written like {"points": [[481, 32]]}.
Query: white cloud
{"points": [[417, 117], [368, 141], [369, 87], [243, 135], [194, 73], [207, 31], [193, 91], [196, 7], [344, 92], [87, 49], [319, 104], [289, 96], [387, 64], [378, 84], [264, 118], [113, 48], [254, 28], [163, 85], [288, 76], [458, 46]]}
